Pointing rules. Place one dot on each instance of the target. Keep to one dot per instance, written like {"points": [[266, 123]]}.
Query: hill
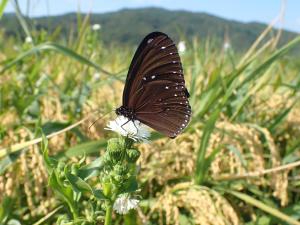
{"points": [[128, 26]]}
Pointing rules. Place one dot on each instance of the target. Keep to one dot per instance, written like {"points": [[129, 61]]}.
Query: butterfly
{"points": [[155, 91]]}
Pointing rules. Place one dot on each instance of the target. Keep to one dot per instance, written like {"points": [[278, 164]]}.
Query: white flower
{"points": [[181, 46], [124, 203], [132, 129], [28, 39], [96, 26], [96, 76], [226, 45]]}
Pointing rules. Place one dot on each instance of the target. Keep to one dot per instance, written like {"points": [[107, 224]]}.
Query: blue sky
{"points": [[241, 10]]}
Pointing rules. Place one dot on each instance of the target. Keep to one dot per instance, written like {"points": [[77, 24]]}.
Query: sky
{"points": [[241, 10]]}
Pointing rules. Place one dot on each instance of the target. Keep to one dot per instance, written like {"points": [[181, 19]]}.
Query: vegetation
{"points": [[236, 163], [129, 26]]}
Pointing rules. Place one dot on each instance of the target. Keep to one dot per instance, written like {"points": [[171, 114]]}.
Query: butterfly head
{"points": [[124, 111]]}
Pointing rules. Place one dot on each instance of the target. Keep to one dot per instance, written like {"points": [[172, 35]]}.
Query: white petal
{"points": [[96, 26], [123, 204], [132, 129], [181, 46]]}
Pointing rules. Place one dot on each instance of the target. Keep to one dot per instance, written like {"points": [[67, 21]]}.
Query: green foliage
{"points": [[223, 85], [117, 26], [2, 7], [70, 181], [5, 209]]}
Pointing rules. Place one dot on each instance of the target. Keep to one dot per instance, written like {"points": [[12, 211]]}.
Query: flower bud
{"points": [[115, 149], [120, 169], [132, 155], [107, 189], [106, 159], [118, 178], [105, 179]]}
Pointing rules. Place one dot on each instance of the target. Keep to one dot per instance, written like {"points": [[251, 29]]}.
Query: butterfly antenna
{"points": [[101, 117]]}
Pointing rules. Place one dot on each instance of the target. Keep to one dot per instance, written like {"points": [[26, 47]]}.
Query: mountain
{"points": [[129, 26]]}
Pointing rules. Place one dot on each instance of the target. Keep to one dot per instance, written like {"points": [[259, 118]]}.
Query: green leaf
{"points": [[293, 210], [235, 151], [263, 220], [262, 206], [279, 53], [131, 185], [80, 185], [54, 47], [91, 170], [211, 158], [8, 160], [279, 118], [63, 192], [5, 209], [77, 183], [50, 163], [99, 194], [2, 7], [51, 127], [294, 147], [185, 220], [14, 222], [86, 148], [200, 165]]}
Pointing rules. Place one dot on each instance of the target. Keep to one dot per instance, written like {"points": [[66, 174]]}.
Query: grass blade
{"points": [[272, 211], [2, 7], [57, 48]]}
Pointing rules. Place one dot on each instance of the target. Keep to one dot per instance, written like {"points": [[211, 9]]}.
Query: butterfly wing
{"points": [[155, 87]]}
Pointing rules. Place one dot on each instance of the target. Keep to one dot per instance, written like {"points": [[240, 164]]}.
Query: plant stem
{"points": [[108, 213], [130, 218]]}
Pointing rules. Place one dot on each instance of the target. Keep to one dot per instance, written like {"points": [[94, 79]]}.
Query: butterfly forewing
{"points": [[155, 87]]}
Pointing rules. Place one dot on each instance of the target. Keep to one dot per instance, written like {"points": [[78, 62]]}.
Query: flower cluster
{"points": [[119, 177]]}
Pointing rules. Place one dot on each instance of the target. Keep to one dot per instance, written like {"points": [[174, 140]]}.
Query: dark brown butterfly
{"points": [[155, 92]]}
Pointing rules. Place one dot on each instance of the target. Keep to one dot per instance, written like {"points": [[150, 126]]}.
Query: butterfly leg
{"points": [[135, 126], [125, 124], [128, 122]]}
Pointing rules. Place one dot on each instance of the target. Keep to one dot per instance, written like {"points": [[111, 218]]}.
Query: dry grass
{"points": [[206, 206]]}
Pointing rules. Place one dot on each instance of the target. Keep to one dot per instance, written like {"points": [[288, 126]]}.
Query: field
{"points": [[236, 163]]}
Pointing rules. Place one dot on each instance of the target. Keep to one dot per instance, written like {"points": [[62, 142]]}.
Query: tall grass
{"points": [[245, 120]]}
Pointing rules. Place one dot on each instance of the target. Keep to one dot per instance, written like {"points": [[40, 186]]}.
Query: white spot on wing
{"points": [[150, 40]]}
